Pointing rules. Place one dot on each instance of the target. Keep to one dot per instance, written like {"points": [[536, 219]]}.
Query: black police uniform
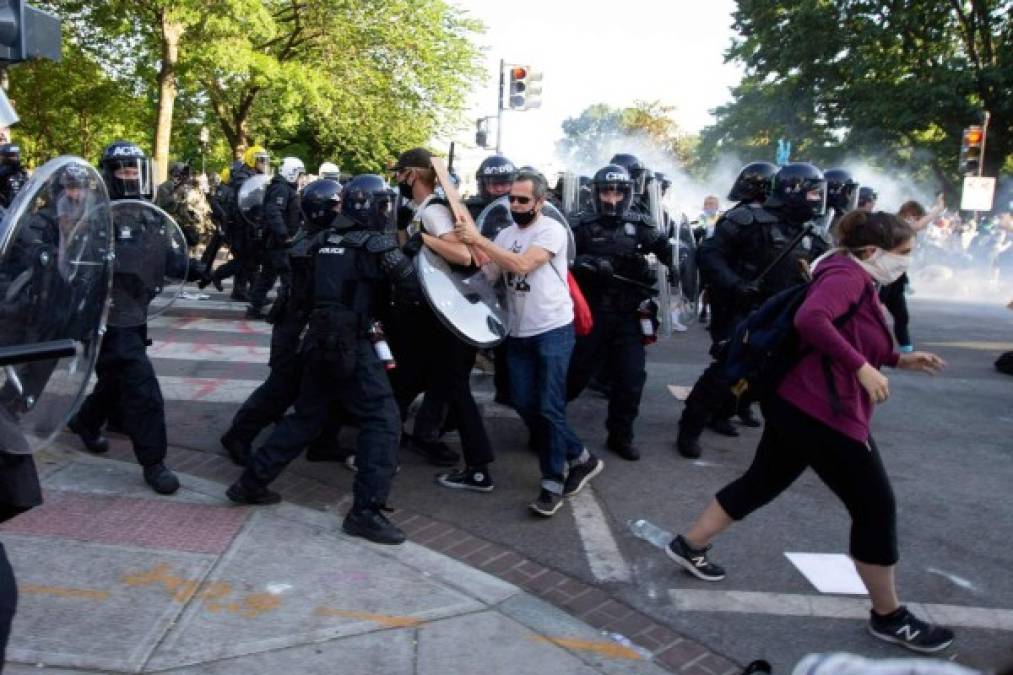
{"points": [[127, 389], [744, 244], [352, 269], [241, 237], [12, 179], [289, 315], [281, 221], [606, 247]]}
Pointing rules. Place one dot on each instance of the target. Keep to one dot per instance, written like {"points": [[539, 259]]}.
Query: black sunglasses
{"points": [[517, 199]]}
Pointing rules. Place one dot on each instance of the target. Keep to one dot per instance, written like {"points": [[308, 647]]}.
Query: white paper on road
{"points": [[829, 572], [679, 391]]}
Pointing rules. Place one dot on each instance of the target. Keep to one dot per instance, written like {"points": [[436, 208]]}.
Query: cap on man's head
{"points": [[416, 158]]}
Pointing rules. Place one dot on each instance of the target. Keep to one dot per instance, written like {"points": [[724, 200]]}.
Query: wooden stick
{"points": [[457, 207]]}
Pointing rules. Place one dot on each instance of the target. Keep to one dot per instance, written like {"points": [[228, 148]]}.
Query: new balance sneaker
{"points": [[467, 479], [580, 475], [905, 629], [547, 503], [694, 560]]}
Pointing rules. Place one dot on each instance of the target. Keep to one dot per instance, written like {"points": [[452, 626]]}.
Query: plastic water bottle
{"points": [[650, 533]]}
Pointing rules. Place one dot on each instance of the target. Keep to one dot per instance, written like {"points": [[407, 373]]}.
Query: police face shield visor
{"points": [[131, 177], [612, 198], [496, 186], [262, 163], [816, 197]]}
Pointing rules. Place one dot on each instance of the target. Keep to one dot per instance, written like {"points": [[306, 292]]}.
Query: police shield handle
{"points": [[457, 207]]}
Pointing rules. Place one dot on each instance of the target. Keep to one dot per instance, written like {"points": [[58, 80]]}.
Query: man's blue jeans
{"points": [[538, 366]]}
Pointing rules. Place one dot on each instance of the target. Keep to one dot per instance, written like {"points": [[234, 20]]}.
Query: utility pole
{"points": [[499, 109], [986, 117]]}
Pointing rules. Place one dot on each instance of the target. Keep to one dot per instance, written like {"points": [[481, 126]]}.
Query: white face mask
{"points": [[885, 267]]}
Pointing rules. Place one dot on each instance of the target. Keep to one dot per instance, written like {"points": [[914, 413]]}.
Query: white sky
{"points": [[599, 52]]}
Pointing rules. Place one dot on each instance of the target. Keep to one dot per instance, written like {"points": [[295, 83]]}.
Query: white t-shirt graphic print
{"points": [[538, 301]]}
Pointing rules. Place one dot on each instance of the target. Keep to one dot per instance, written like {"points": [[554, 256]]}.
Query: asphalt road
{"points": [[947, 443]]}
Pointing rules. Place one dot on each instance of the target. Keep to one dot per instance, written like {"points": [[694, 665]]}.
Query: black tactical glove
{"points": [[632, 265], [747, 291], [414, 244], [594, 264]]}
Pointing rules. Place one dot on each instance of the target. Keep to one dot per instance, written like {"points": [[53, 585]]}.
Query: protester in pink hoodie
{"points": [[820, 418]]}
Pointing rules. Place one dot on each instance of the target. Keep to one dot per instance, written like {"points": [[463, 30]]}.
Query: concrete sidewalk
{"points": [[113, 578]]}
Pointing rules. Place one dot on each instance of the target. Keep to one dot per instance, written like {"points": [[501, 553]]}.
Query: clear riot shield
{"points": [[464, 299], [496, 216], [654, 203], [664, 298], [685, 276], [55, 274], [151, 262], [571, 194], [251, 199]]}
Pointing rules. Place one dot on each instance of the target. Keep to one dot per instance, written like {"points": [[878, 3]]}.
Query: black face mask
{"points": [[524, 219], [404, 189]]}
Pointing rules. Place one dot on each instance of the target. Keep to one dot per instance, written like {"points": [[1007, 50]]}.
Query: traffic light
{"points": [[525, 88], [27, 33], [970, 150]]}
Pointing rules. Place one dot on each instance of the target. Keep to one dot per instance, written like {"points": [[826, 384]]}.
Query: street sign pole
{"points": [[499, 109]]}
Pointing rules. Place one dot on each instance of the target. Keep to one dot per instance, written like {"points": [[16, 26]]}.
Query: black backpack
{"points": [[765, 346]]}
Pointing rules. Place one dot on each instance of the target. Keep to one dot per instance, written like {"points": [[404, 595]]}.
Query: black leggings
{"points": [[791, 442], [892, 295]]}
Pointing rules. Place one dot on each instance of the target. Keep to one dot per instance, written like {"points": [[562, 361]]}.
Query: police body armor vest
{"points": [[340, 301]]}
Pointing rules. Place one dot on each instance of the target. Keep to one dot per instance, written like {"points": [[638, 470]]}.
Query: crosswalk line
{"points": [[208, 351], [792, 604], [600, 547], [214, 325], [206, 389]]}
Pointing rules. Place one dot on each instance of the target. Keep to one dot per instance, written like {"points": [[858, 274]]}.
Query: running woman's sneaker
{"points": [[907, 630], [694, 560]]}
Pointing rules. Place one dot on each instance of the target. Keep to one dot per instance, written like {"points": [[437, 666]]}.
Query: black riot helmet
{"points": [[800, 189], [664, 182], [126, 171], [612, 178], [842, 190], [179, 172], [753, 182], [10, 155], [369, 202], [494, 169], [634, 167], [321, 201], [867, 197]]}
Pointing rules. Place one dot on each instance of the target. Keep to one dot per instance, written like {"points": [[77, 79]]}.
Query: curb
{"points": [[592, 605]]}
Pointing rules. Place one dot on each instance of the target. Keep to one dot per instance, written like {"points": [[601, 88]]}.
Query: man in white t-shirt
{"points": [[531, 255]]}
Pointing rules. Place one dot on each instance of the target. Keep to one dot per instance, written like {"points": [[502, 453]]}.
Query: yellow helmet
{"points": [[226, 174], [254, 153]]}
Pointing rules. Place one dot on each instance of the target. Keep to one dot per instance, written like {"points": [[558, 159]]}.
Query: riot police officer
{"points": [[127, 388], [289, 315], [750, 189], [12, 175], [640, 175], [739, 263], [281, 221], [494, 177], [612, 268], [842, 196], [353, 264], [242, 239]]}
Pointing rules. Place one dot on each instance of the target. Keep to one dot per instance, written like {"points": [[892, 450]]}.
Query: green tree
{"points": [[352, 80], [72, 108], [602, 129], [894, 81]]}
